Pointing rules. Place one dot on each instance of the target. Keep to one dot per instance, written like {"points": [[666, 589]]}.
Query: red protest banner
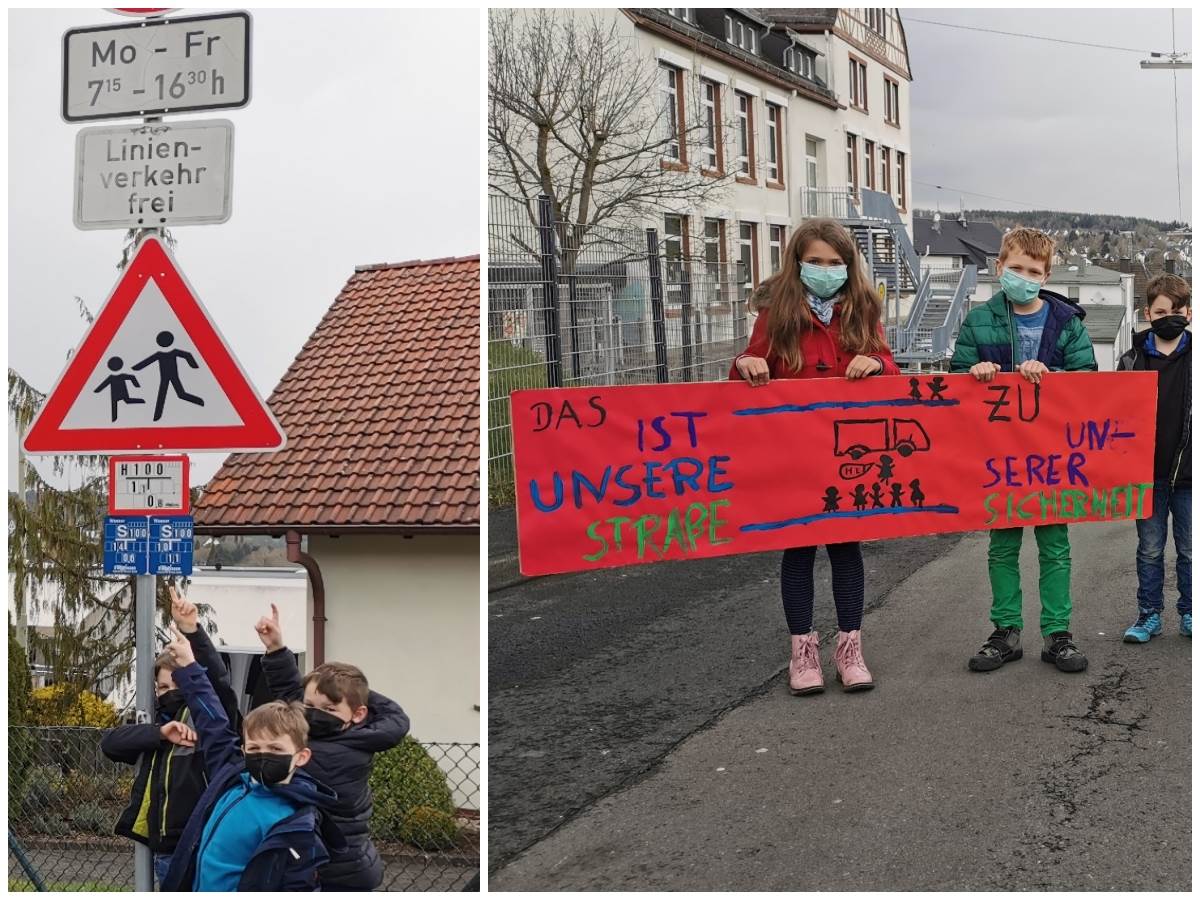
{"points": [[609, 476]]}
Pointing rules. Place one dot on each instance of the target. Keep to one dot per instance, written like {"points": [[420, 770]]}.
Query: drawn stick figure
{"points": [[918, 497], [915, 393], [831, 499], [860, 497], [118, 385], [885, 468], [168, 372], [937, 387], [897, 495], [877, 496]]}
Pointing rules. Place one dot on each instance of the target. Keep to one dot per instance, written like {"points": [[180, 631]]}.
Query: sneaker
{"points": [[804, 670], [852, 671], [1185, 624], [1148, 625], [1003, 646], [1061, 650]]}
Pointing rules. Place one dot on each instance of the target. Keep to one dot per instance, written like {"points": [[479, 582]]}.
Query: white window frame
{"points": [[812, 171], [885, 170], [673, 265], [776, 245], [746, 254], [709, 111], [774, 159], [712, 242], [901, 188], [670, 90], [744, 138], [729, 29], [852, 162], [869, 164], [679, 13]]}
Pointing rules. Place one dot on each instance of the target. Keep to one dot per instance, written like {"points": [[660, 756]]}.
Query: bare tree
{"points": [[579, 112]]}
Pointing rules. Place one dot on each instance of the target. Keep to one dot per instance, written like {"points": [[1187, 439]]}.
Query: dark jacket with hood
{"points": [[989, 334], [292, 852], [170, 779], [343, 761], [1173, 431]]}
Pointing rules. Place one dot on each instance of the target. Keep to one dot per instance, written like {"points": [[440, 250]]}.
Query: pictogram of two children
{"points": [[168, 377]]}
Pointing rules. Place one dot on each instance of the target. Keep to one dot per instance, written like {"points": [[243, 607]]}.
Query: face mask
{"points": [[1169, 327], [1019, 290], [170, 702], [269, 768], [323, 724], [823, 281]]}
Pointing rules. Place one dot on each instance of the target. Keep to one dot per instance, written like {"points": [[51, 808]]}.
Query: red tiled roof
{"points": [[381, 411]]}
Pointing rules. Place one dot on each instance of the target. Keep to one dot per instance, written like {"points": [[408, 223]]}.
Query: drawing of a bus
{"points": [[858, 437]]}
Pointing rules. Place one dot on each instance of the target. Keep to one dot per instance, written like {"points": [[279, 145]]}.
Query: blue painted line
{"points": [[838, 404], [849, 514]]}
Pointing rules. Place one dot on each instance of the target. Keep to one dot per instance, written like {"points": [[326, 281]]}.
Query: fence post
{"points": [[572, 298], [550, 293], [657, 314], [685, 289]]}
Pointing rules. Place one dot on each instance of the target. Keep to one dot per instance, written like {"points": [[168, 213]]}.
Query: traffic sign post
{"points": [[155, 175], [156, 67]]}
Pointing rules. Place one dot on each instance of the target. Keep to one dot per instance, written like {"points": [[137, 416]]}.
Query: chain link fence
{"points": [[65, 797], [569, 307]]}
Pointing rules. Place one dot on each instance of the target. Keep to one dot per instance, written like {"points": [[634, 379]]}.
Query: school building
{"points": [[377, 490]]}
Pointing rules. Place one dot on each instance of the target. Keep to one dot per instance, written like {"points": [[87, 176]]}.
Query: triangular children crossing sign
{"points": [[153, 373]]}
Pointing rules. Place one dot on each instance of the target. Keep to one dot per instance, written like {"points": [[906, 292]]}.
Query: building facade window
{"points": [[710, 101], [745, 137], [747, 258], [796, 60], [869, 164], [684, 14], [885, 170], [714, 259], [852, 163], [858, 84], [877, 21], [741, 34], [674, 253], [672, 111], [811, 173], [901, 187], [774, 144], [777, 243], [891, 101]]}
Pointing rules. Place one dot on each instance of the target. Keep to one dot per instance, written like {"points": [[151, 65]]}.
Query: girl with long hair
{"points": [[819, 318]]}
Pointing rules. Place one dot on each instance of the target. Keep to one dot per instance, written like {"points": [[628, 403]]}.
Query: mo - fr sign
{"points": [[156, 66]]}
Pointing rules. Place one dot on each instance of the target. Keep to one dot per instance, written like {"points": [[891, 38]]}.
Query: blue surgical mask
{"points": [[1020, 291], [823, 281]]}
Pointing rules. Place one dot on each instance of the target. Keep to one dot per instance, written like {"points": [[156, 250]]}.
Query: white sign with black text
{"points": [[155, 175]]}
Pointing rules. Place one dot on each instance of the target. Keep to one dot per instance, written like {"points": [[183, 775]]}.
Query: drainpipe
{"points": [[296, 555]]}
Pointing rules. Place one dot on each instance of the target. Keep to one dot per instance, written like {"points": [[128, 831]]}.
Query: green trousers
{"points": [[1054, 564]]}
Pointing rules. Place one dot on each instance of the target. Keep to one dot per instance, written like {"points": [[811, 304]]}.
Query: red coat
{"points": [[822, 350]]}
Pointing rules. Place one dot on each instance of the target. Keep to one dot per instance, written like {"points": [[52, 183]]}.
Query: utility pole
{"points": [[1174, 61]]}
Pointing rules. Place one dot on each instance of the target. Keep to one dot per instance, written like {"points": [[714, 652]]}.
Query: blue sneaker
{"points": [[1185, 624], [1148, 624]]}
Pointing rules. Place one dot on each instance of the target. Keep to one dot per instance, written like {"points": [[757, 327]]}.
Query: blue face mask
{"points": [[1020, 291], [823, 281]]}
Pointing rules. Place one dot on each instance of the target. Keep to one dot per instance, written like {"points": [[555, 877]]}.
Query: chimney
{"points": [[1169, 265], [1126, 265]]}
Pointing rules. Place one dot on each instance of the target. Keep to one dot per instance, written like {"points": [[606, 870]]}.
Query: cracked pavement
{"points": [[939, 779]]}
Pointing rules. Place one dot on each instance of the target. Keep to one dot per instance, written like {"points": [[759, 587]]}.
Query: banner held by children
{"points": [[609, 476]]}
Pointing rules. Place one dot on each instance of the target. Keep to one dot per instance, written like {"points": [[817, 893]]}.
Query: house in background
{"points": [[951, 243], [377, 490]]}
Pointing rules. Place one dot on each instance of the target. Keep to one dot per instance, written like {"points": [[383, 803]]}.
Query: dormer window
{"points": [[684, 15], [796, 60], [877, 21], [741, 34]]}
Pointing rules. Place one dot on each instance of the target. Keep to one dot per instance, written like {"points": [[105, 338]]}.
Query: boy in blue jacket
{"points": [[258, 825]]}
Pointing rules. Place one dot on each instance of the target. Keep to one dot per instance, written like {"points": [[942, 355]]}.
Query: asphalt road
{"points": [[641, 737]]}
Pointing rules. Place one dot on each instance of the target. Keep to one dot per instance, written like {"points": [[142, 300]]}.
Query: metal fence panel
{"points": [[65, 797]]}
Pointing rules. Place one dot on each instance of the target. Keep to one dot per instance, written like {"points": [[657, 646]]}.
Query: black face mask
{"points": [[269, 768], [170, 702], [1169, 327], [322, 724]]}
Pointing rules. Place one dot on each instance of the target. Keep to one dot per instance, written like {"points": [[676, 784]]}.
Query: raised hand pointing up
{"points": [[269, 632], [183, 611]]}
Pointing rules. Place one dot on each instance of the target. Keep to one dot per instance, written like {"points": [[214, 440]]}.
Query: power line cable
{"points": [[1032, 37], [943, 187], [1175, 85]]}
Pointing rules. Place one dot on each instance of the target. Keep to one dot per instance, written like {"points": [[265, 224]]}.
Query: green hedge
{"points": [[413, 802]]}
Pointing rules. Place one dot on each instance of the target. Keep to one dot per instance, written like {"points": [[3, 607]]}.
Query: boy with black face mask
{"points": [[170, 775], [258, 826], [348, 724], [1166, 349]]}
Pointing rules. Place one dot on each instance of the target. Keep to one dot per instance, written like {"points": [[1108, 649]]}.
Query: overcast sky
{"points": [[360, 145], [1048, 124]]}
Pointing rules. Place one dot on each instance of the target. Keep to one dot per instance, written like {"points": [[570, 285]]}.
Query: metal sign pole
{"points": [[143, 865]]}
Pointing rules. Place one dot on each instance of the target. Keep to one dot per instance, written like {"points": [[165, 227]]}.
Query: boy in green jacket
{"points": [[1030, 330]]}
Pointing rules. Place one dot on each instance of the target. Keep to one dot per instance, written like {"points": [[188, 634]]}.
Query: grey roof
{"points": [[1103, 322], [976, 242], [1062, 274], [800, 19]]}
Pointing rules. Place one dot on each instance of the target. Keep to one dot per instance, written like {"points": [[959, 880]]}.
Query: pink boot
{"points": [[851, 670], [804, 671]]}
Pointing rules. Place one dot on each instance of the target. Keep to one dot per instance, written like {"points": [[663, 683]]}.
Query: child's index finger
{"points": [[274, 613]]}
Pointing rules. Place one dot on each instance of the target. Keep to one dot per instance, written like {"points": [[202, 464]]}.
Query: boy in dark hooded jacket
{"points": [[258, 826], [348, 725], [170, 777], [1025, 328], [1166, 349]]}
